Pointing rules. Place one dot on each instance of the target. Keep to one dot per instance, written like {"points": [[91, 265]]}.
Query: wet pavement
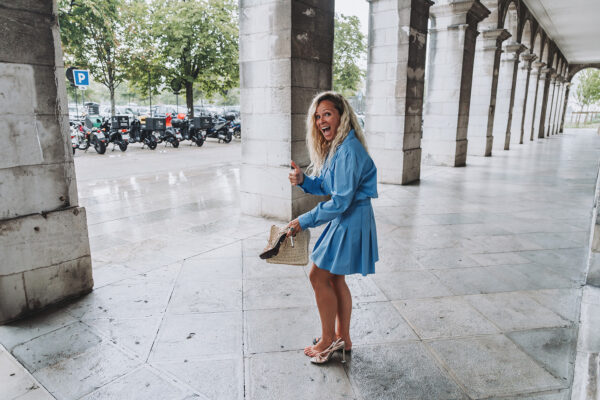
{"points": [[476, 295]]}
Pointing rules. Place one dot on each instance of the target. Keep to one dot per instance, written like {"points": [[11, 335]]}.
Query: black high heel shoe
{"points": [[273, 247]]}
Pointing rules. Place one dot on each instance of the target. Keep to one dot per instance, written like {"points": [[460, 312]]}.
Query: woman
{"points": [[341, 167]]}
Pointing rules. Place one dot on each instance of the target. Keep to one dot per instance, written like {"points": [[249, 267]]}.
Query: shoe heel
{"points": [[344, 355]]}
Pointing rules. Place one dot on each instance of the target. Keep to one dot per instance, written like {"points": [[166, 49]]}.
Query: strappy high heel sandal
{"points": [[318, 339], [325, 355]]}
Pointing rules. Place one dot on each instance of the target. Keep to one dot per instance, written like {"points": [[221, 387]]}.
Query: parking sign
{"points": [[81, 77]]}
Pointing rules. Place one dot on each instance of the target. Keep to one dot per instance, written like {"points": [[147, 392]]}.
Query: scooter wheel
{"points": [[199, 142], [123, 146], [100, 147], [175, 143], [227, 138], [73, 150], [152, 145]]}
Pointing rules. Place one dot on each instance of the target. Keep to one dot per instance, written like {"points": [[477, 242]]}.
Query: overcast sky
{"points": [[360, 8]]}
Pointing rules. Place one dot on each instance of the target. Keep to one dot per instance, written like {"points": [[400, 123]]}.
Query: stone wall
{"points": [[44, 246]]}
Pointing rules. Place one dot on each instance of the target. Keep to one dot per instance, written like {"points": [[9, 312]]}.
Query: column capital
{"points": [[493, 38], [528, 59], [538, 65], [515, 48], [453, 13]]}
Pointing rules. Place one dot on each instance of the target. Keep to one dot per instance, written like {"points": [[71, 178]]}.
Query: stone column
{"points": [[551, 106], [44, 243], [286, 50], [545, 74], [558, 107], [483, 92], [452, 47], [525, 105], [535, 118], [564, 106], [515, 50], [395, 80], [506, 81]]}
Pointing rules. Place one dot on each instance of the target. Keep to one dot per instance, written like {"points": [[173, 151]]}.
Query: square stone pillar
{"points": [[44, 245], [483, 92], [450, 74], [536, 71], [551, 103], [515, 50], [564, 106], [545, 75], [505, 96], [395, 80], [557, 105], [286, 51], [525, 105]]}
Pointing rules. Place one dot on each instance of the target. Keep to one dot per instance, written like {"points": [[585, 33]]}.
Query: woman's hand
{"points": [[293, 228], [296, 176]]}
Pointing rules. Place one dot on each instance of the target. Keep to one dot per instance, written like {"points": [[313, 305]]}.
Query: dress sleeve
{"points": [[346, 177], [313, 185]]}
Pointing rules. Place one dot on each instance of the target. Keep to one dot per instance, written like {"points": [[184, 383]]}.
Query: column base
{"points": [[46, 259]]}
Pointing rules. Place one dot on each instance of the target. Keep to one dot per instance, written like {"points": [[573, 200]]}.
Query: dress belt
{"points": [[359, 203]]}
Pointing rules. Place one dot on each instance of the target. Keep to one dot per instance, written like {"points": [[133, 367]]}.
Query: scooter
{"points": [[236, 129], [220, 130], [169, 135], [138, 133], [187, 129], [117, 130]]}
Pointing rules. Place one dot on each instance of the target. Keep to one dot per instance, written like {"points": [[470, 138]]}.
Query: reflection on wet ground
{"points": [[476, 294]]}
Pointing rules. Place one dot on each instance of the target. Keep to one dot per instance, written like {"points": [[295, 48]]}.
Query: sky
{"points": [[360, 8]]}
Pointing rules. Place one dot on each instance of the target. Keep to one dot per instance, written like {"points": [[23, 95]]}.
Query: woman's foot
{"points": [[347, 341], [317, 348]]}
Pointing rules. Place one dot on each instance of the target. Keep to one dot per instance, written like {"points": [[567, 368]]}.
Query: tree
{"points": [[588, 88], [349, 46], [91, 36], [194, 42]]}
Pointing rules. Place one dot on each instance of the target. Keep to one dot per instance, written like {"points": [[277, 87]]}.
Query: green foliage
{"points": [[92, 38], [194, 41], [349, 47], [588, 87]]}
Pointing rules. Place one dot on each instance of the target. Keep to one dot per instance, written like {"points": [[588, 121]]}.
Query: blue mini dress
{"points": [[348, 245]]}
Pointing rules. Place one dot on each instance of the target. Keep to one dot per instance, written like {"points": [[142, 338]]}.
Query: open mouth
{"points": [[326, 130]]}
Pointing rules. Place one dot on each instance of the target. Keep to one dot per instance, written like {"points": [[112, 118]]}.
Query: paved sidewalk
{"points": [[476, 295]]}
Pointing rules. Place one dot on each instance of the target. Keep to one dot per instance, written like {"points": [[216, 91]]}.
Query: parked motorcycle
{"points": [[117, 131], [189, 130], [82, 137], [219, 129], [141, 132], [169, 134], [236, 129]]}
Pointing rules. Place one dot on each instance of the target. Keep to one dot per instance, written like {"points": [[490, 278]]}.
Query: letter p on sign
{"points": [[81, 77]]}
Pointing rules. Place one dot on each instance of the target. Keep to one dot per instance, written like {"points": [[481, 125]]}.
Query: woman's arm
{"points": [[313, 185], [346, 177]]}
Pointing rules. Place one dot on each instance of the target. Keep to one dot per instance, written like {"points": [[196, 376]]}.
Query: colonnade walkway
{"points": [[476, 294]]}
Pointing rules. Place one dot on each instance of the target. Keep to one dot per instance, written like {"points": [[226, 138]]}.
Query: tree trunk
{"points": [[189, 98], [111, 88]]}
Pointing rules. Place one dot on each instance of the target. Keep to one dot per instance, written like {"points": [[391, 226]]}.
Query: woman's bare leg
{"points": [[344, 309], [327, 304]]}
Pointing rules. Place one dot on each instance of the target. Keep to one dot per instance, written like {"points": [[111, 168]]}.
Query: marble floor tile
{"points": [[277, 293], [514, 311], [214, 378], [444, 317], [400, 371], [410, 285], [493, 366], [290, 375], [194, 336]]}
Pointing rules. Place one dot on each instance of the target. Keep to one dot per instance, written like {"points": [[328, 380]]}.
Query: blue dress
{"points": [[348, 245]]}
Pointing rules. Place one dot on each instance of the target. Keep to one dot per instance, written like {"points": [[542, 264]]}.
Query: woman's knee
{"points": [[319, 277]]}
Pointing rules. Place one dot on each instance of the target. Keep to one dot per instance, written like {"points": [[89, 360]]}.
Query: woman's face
{"points": [[327, 119]]}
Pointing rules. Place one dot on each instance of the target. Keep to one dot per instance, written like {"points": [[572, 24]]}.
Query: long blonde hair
{"points": [[319, 148]]}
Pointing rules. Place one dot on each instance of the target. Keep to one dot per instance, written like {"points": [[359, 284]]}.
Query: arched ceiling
{"points": [[574, 25]]}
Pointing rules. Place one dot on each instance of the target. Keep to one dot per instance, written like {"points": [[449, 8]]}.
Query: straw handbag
{"points": [[281, 251]]}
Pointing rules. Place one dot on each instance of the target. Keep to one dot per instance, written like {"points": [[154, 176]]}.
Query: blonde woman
{"points": [[340, 166]]}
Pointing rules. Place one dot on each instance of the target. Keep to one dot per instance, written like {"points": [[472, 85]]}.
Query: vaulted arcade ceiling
{"points": [[574, 25]]}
